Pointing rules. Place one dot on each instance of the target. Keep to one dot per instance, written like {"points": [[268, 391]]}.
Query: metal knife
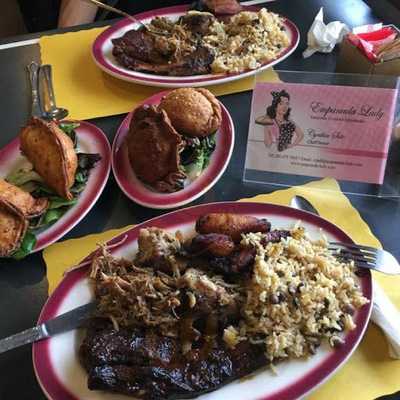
{"points": [[64, 322]]}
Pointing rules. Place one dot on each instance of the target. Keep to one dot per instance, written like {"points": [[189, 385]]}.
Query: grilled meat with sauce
{"points": [[178, 54], [149, 366]]}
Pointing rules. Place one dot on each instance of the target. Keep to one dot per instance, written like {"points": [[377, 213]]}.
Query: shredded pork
{"points": [[295, 295]]}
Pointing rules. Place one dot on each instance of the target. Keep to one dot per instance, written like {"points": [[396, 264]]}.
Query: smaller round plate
{"points": [[90, 140], [142, 194]]}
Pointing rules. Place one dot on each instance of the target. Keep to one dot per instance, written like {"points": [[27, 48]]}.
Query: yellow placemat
{"points": [[87, 92], [370, 372]]}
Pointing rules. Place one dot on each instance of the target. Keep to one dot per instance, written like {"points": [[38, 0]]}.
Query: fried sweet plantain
{"points": [[22, 201], [232, 225], [213, 244], [153, 149], [13, 226], [52, 154]]}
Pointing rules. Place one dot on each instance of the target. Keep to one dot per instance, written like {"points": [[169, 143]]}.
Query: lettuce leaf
{"points": [[27, 245], [196, 156]]}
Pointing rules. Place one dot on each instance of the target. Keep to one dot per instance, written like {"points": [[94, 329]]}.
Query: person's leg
{"points": [[76, 12]]}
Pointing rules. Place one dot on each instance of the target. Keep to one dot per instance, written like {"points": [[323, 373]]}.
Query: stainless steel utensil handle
{"points": [[33, 69], [48, 80], [115, 10], [25, 337]]}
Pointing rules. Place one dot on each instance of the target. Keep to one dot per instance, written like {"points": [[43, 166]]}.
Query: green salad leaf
{"points": [[58, 202], [194, 169], [43, 191], [23, 175], [69, 129], [196, 155], [27, 245], [52, 216]]}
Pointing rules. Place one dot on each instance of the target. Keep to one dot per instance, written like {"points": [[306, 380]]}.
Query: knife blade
{"points": [[63, 323]]}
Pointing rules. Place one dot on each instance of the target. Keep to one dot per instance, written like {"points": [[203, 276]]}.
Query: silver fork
{"points": [[363, 256], [367, 257]]}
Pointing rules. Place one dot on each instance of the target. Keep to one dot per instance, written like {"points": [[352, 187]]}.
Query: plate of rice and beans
{"points": [[198, 48], [232, 300]]}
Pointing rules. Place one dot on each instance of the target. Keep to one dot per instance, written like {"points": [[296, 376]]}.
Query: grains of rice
{"points": [[246, 41], [299, 295]]}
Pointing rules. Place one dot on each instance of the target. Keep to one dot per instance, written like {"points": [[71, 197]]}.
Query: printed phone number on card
{"points": [[314, 162]]}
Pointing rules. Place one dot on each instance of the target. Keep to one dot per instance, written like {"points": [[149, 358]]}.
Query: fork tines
{"points": [[361, 255]]}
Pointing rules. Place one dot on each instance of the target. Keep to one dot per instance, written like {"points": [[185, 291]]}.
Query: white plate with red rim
{"points": [[103, 57], [146, 196], [56, 360], [90, 140]]}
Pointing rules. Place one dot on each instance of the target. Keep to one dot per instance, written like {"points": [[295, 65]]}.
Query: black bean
{"points": [[315, 341], [360, 272], [300, 285], [326, 302], [292, 290], [311, 349], [336, 341], [349, 309], [281, 296], [295, 302], [280, 274], [274, 299]]}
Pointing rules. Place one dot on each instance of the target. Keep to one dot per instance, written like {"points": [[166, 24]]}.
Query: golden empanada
{"points": [[52, 154], [193, 111], [22, 201], [13, 226]]}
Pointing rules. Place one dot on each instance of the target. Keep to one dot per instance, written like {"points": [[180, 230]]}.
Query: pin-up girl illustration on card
{"points": [[279, 128]]}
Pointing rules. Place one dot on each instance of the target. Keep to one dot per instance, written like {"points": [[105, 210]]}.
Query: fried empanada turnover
{"points": [[22, 201], [193, 112], [52, 154], [13, 226], [153, 149]]}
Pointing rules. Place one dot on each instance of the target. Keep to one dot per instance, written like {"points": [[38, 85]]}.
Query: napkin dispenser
{"points": [[352, 60]]}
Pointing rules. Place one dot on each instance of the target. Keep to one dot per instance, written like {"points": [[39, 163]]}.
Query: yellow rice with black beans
{"points": [[246, 41], [299, 295]]}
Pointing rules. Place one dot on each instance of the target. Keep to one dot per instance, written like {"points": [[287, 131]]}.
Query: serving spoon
{"points": [[48, 100]]}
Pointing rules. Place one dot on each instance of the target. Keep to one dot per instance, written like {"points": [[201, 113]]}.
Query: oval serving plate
{"points": [[56, 360], [102, 54], [90, 140], [145, 196]]}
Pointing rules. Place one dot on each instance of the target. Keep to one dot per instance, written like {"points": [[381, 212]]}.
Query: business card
{"points": [[321, 130]]}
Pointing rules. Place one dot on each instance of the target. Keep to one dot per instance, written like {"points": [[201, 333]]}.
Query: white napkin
{"points": [[322, 37], [387, 317]]}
